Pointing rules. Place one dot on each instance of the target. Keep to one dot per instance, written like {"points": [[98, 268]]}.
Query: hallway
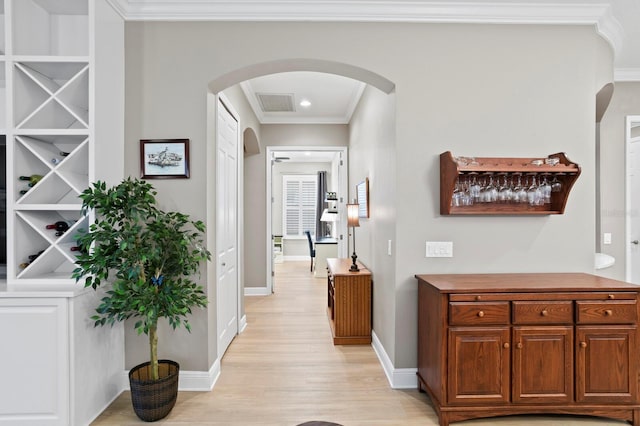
{"points": [[283, 370]]}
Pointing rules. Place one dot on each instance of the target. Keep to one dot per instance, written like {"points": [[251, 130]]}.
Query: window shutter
{"points": [[299, 204]]}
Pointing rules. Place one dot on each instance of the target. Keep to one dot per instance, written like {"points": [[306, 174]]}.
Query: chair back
{"points": [[312, 251]]}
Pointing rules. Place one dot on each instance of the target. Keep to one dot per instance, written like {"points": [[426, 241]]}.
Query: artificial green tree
{"points": [[152, 255]]}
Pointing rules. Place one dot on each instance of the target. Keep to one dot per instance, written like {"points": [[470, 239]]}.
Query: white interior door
{"points": [[633, 198], [227, 143]]}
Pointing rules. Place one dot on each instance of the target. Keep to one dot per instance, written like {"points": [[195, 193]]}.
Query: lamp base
{"points": [[354, 266]]}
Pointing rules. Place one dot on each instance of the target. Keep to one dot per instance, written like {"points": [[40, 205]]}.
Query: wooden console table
{"points": [[348, 302], [502, 344]]}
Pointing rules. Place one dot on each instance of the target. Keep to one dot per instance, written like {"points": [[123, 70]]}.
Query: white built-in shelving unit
{"points": [[48, 88], [60, 370]]}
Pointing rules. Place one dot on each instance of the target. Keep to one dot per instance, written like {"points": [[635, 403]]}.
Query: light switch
{"points": [[606, 238], [439, 249]]}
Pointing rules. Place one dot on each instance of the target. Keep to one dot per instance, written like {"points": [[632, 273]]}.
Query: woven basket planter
{"points": [[153, 399]]}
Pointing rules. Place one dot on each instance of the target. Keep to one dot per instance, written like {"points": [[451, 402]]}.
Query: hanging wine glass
{"points": [[521, 193], [533, 193], [491, 192], [474, 187], [504, 193], [545, 189], [556, 185]]}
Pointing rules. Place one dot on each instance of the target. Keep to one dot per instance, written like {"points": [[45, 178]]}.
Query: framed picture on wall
{"points": [[362, 191], [164, 158]]}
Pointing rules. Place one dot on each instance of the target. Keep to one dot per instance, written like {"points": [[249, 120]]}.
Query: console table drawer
{"points": [[473, 313], [543, 312], [613, 312]]}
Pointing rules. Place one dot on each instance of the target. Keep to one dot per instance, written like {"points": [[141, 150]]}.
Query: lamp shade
{"points": [[328, 216], [352, 215]]}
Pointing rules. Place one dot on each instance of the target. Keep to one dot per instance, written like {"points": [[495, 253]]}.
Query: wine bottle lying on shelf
{"points": [[60, 226], [63, 153], [33, 257], [33, 179]]}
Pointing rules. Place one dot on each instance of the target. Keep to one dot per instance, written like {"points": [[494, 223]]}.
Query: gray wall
{"points": [[483, 90], [372, 154], [625, 101]]}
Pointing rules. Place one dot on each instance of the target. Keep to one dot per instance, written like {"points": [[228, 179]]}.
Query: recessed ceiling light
{"points": [[305, 103]]}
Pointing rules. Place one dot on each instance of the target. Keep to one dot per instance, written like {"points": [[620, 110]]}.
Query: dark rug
{"points": [[317, 423]]}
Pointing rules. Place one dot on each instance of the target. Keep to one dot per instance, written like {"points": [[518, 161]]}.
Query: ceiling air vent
{"points": [[270, 102]]}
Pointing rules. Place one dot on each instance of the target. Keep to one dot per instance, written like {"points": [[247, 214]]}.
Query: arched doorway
{"points": [[230, 79]]}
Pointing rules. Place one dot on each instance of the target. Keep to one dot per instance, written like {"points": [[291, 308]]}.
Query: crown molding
{"points": [[599, 15], [626, 74]]}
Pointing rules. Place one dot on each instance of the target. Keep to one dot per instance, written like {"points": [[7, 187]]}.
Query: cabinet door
{"points": [[478, 371], [542, 364], [606, 364]]}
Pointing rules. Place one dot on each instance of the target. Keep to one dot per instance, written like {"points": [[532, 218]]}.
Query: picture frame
{"points": [[164, 158], [362, 192]]}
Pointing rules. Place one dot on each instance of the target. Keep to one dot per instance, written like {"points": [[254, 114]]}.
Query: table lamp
{"points": [[353, 221]]}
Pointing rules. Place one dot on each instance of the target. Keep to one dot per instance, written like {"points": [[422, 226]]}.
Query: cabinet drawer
{"points": [[472, 313], [543, 312], [613, 312]]}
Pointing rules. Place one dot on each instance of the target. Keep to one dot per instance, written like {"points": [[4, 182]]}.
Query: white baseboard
{"points": [[399, 378], [198, 381], [243, 324], [97, 414], [256, 291]]}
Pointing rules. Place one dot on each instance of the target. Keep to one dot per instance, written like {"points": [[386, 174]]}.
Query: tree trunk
{"points": [[153, 347]]}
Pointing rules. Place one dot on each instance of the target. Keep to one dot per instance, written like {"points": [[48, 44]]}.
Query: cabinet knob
{"points": [[583, 344], [612, 296], [505, 345], [544, 313], [481, 314], [519, 345], [478, 297], [608, 312]]}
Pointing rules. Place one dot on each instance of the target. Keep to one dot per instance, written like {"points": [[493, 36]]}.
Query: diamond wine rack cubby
{"points": [[49, 135], [51, 95]]}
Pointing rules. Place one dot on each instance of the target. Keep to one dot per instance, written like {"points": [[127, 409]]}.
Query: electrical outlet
{"points": [[439, 249]]}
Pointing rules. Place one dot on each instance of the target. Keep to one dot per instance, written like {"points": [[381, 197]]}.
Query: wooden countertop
{"points": [[530, 282], [340, 266]]}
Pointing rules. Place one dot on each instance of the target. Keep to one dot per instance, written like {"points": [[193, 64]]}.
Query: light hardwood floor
{"points": [[283, 370]]}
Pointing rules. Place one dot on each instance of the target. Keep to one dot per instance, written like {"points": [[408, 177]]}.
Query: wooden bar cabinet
{"points": [[348, 302], [502, 344]]}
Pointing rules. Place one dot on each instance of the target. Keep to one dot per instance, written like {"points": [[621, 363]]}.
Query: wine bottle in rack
{"points": [[56, 160], [60, 226], [33, 179], [24, 265], [23, 191], [77, 248], [63, 153], [33, 257]]}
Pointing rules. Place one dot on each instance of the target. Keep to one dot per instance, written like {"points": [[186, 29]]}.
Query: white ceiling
{"points": [[304, 156], [333, 98]]}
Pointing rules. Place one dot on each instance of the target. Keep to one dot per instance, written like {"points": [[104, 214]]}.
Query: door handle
{"points": [[636, 242], [224, 264]]}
